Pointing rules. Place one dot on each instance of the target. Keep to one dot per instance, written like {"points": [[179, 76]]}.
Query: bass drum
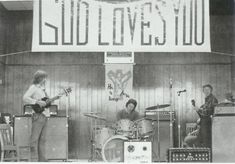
{"points": [[101, 135], [113, 149]]}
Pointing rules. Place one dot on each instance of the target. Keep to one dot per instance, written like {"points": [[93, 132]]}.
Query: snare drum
{"points": [[125, 127], [113, 149], [144, 126], [101, 135]]}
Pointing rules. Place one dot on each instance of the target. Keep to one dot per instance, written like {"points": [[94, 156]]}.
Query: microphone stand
{"points": [[179, 120], [171, 113], [179, 123], [67, 118]]}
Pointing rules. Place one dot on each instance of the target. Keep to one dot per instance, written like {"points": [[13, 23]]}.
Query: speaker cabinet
{"points": [[22, 130], [56, 135], [162, 140], [223, 142], [57, 138]]}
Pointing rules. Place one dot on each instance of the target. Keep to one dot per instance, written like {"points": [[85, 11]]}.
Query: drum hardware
{"points": [[93, 125]]}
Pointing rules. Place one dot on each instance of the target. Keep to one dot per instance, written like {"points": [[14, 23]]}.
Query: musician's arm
{"points": [[195, 132], [198, 110], [27, 98]]}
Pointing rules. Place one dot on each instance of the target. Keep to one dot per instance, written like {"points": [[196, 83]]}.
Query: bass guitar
{"points": [[201, 112]]}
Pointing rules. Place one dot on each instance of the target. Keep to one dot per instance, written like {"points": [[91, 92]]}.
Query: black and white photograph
{"points": [[130, 81]]}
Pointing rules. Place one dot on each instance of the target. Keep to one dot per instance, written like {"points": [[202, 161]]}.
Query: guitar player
{"points": [[33, 95], [205, 112]]}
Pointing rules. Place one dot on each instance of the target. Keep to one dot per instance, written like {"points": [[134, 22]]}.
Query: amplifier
{"points": [[189, 155], [224, 110], [138, 152], [28, 110], [56, 135], [161, 115]]}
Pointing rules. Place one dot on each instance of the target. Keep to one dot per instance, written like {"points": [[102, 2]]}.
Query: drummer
{"points": [[129, 112]]}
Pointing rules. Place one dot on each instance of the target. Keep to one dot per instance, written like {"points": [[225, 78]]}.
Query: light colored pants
{"points": [[37, 141], [190, 141]]}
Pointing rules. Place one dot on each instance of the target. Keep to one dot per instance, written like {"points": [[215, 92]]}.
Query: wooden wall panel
{"points": [[151, 87], [189, 77], [87, 96], [2, 49]]}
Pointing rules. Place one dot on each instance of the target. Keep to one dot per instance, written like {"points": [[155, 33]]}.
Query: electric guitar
{"points": [[48, 101], [200, 111]]}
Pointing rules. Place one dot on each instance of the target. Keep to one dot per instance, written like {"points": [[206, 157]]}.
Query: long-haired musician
{"points": [[33, 95]]}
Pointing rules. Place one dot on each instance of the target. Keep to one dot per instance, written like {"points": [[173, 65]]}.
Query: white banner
{"points": [[118, 82], [121, 25]]}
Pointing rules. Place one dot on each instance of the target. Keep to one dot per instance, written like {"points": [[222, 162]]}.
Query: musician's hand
{"points": [[60, 95], [196, 108], [41, 103]]}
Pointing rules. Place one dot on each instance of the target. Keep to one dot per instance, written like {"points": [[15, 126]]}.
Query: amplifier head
{"points": [[189, 155]]}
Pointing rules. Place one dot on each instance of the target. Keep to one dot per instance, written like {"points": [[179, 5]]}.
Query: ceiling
{"points": [[17, 4]]}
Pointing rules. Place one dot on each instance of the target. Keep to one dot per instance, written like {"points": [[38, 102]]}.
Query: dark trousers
{"points": [[205, 132], [37, 142]]}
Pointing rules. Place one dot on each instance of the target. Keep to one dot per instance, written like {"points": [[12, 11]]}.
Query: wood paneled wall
{"points": [[85, 72], [2, 50], [151, 87]]}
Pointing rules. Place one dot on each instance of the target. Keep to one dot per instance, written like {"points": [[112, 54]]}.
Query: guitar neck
{"points": [[53, 99]]}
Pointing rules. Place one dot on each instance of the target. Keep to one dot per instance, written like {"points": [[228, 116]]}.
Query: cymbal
{"points": [[158, 107], [92, 113], [143, 118], [95, 116]]}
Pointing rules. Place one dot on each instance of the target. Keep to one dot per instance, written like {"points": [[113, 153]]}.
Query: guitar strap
{"points": [[46, 95]]}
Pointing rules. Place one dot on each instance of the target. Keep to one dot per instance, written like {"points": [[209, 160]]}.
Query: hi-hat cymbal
{"points": [[95, 116], [158, 107]]}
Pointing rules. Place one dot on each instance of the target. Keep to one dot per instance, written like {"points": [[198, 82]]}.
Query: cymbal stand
{"points": [[67, 116], [152, 139], [158, 136], [92, 139]]}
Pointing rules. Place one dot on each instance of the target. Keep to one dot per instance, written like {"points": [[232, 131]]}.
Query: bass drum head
{"points": [[113, 149]]}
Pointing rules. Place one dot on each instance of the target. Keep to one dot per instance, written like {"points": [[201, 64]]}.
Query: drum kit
{"points": [[108, 140]]}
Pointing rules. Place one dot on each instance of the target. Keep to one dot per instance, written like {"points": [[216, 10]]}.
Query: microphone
{"points": [[181, 91]]}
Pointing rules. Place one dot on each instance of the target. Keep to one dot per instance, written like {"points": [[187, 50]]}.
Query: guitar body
{"points": [[38, 109]]}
